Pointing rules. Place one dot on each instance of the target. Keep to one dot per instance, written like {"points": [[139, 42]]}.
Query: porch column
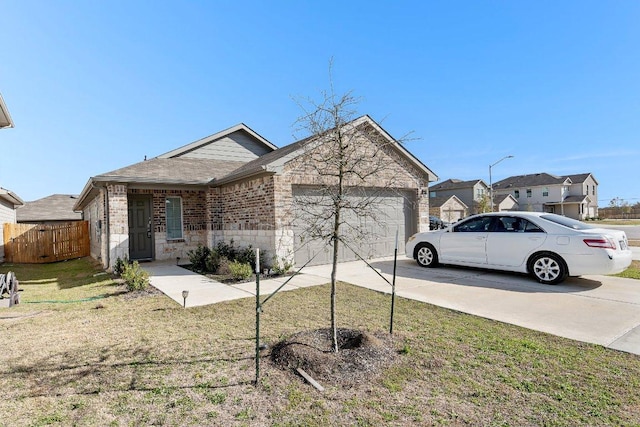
{"points": [[118, 217]]}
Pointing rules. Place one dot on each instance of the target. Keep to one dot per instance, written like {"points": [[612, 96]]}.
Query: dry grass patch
{"points": [[119, 360]]}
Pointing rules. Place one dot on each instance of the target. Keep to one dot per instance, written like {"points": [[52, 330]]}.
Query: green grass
{"points": [[633, 272], [144, 360]]}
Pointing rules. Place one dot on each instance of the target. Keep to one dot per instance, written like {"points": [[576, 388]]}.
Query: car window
{"points": [[474, 225], [510, 224], [567, 222], [530, 227]]}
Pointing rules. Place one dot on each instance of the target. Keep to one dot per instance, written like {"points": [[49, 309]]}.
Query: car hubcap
{"points": [[425, 256], [546, 269]]}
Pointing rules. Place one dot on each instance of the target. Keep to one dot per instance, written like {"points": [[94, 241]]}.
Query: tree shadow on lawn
{"points": [[45, 377]]}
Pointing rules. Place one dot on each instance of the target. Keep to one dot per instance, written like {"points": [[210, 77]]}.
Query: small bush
{"points": [[227, 250], [212, 263], [246, 256], [223, 268], [198, 258], [281, 266], [135, 277], [118, 267], [239, 270]]}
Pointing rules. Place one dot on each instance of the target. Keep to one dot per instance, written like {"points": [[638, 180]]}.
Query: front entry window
{"points": [[174, 218]]}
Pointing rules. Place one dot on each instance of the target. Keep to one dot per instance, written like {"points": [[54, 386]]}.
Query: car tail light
{"points": [[601, 242]]}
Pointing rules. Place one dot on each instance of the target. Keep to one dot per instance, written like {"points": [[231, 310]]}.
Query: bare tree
{"points": [[350, 161]]}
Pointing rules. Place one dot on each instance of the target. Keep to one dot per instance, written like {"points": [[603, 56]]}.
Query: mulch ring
{"points": [[362, 355]]}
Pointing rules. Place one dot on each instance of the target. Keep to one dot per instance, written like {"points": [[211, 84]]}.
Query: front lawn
{"points": [[80, 351]]}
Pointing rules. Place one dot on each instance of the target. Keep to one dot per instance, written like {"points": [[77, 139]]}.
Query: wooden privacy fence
{"points": [[42, 243]]}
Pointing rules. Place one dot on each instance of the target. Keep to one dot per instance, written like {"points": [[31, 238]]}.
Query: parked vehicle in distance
{"points": [[547, 246], [435, 223]]}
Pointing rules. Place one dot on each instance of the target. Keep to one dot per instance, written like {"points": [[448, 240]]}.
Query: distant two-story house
{"points": [[575, 196], [472, 193]]}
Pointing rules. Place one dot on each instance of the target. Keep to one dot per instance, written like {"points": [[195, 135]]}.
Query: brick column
{"points": [[118, 222]]}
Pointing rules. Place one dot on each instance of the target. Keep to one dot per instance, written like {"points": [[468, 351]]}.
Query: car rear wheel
{"points": [[548, 268], [426, 255]]}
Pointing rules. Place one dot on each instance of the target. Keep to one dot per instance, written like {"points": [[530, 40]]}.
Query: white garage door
{"points": [[394, 210]]}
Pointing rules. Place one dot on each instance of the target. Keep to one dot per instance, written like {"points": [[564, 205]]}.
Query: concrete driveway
{"points": [[596, 309]]}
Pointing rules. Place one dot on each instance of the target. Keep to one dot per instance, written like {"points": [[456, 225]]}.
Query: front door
{"points": [[140, 241]]}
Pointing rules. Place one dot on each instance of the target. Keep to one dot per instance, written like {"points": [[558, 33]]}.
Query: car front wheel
{"points": [[548, 269], [426, 255]]}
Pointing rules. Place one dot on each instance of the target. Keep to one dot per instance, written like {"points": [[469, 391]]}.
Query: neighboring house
{"points": [[471, 193], [235, 185], [505, 202], [448, 209], [5, 118], [9, 201], [575, 196], [51, 209]]}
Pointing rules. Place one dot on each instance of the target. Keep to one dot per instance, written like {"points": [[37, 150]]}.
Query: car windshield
{"points": [[567, 222]]}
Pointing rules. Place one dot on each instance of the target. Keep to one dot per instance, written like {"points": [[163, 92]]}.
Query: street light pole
{"points": [[491, 182]]}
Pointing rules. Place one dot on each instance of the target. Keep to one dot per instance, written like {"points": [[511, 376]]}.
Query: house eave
{"points": [[5, 117], [11, 197]]}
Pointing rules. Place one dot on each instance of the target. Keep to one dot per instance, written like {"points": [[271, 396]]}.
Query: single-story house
{"points": [[237, 185], [49, 210], [449, 209], [9, 202]]}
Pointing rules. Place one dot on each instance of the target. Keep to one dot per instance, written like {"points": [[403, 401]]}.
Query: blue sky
{"points": [[93, 86]]}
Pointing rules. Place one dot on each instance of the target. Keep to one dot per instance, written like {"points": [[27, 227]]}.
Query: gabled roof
{"points": [[5, 118], [581, 177], [219, 135], [272, 162], [57, 207], [499, 198], [10, 197], [439, 201], [531, 180], [456, 184]]}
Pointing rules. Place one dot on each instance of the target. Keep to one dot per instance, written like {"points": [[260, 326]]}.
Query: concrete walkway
{"points": [[596, 309], [172, 280]]}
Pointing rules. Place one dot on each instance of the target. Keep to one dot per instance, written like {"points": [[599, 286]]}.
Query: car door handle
{"points": [[480, 237]]}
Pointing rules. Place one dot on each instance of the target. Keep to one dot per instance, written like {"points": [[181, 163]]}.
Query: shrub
{"points": [[198, 257], [246, 256], [212, 263], [227, 250], [281, 266], [135, 277], [239, 270], [223, 268], [118, 267]]}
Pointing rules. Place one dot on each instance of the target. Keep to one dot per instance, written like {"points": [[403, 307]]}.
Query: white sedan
{"points": [[550, 247]]}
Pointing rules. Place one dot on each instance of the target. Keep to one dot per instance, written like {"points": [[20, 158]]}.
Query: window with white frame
{"points": [[545, 192], [528, 192], [516, 194], [479, 193], [174, 217]]}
